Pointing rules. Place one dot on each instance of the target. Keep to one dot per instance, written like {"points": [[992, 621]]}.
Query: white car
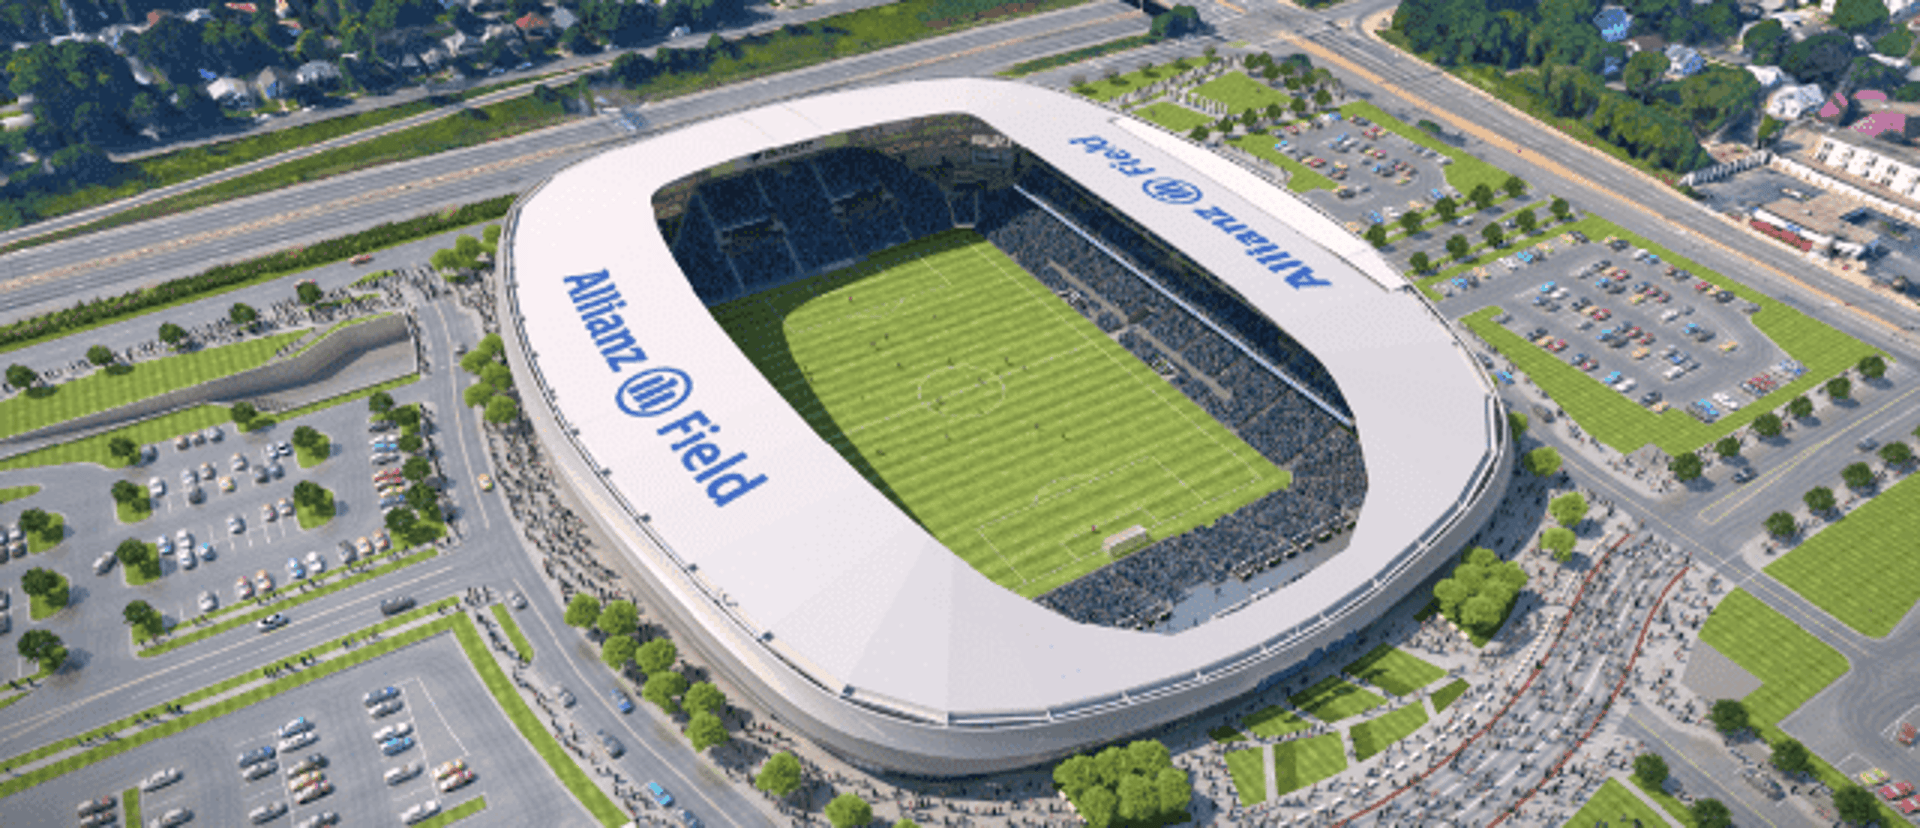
{"points": [[183, 538], [160, 779], [393, 731], [208, 601], [164, 545], [298, 741], [235, 525], [187, 558], [156, 486], [315, 563], [420, 811], [403, 773], [267, 513]]}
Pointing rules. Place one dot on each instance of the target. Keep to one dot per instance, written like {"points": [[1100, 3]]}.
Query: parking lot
{"points": [[451, 715], [1656, 333], [1379, 174]]}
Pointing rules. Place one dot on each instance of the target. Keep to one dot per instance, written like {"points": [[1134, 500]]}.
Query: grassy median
{"points": [[103, 390], [286, 598], [518, 639]]}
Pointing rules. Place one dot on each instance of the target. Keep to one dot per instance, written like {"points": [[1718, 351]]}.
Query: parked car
{"points": [[385, 708], [257, 755], [659, 794], [420, 811], [377, 696], [392, 732], [395, 746], [267, 813], [103, 564], [160, 779], [395, 776]]}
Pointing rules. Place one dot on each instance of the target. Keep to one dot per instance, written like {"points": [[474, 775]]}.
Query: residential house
{"points": [[272, 83], [563, 19], [1613, 23], [317, 73], [1769, 76], [459, 44], [1683, 61], [434, 59], [1790, 102], [141, 74], [230, 91], [534, 27], [410, 64], [197, 16]]}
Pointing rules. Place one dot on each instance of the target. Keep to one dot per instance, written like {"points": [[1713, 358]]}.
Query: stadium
{"points": [[966, 425]]}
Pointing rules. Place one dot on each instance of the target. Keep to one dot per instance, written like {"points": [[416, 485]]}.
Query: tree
{"points": [[1855, 805], [1098, 806], [849, 811], [1764, 41], [411, 443], [308, 292], [1857, 475], [1839, 388], [476, 360], [1419, 262], [1446, 208], [416, 469], [171, 333], [1481, 195], [400, 518], [1728, 447], [1173, 789], [307, 492], [142, 616], [1729, 716], [1710, 813], [1858, 16], [1137, 801], [497, 375], [407, 417], [307, 437], [122, 447], [662, 687], [1896, 453], [780, 775], [422, 496], [1792, 757], [126, 491], [242, 314], [582, 610], [703, 697], [46, 585], [618, 617], [1480, 613], [501, 410], [1377, 235], [1493, 234], [1800, 407], [477, 394], [1560, 208], [1322, 99], [1543, 461], [1651, 770], [1516, 423], [1200, 134], [617, 650], [1458, 246], [1767, 425], [1513, 186], [43, 647], [1568, 509], [1410, 221], [656, 656], [35, 521], [1526, 221], [380, 403], [706, 731], [1819, 499], [1644, 71], [243, 413], [1559, 540], [1781, 525], [1873, 367], [100, 355], [1686, 467], [20, 376]]}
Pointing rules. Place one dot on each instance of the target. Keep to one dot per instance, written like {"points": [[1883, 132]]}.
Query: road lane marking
{"points": [[1739, 497]]}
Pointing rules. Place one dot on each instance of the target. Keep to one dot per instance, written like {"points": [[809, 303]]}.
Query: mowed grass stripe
{"points": [[995, 415], [102, 390], [1791, 664], [1857, 569]]}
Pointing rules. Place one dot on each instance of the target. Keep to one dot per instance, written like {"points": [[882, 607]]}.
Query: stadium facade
{"points": [[817, 595]]}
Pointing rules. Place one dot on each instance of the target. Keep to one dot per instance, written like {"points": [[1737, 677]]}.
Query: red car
{"points": [[1896, 790], [1909, 806], [1602, 315], [362, 258], [1703, 286]]}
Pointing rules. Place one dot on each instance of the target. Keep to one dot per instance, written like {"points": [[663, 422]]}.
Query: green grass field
{"points": [[1239, 93], [11, 494], [1465, 173], [512, 628], [1075, 432], [1172, 116], [1856, 569], [1446, 696], [1106, 89], [1335, 698], [1249, 771], [1274, 722], [455, 813], [102, 390], [133, 511], [1615, 419], [38, 542], [134, 576], [1302, 762], [1300, 177], [1791, 664], [1374, 735], [1394, 670], [1614, 805]]}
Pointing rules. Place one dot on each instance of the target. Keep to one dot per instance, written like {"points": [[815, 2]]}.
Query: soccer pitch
{"points": [[1000, 419]]}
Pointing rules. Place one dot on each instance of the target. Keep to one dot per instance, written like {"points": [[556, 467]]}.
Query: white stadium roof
{"points": [[832, 574]]}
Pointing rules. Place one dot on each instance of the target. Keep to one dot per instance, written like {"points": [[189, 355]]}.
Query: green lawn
{"points": [[56, 531], [94, 449], [1614, 418], [1791, 664], [130, 805], [1015, 385], [308, 458], [38, 608], [1249, 771], [1446, 696], [1374, 735], [1302, 762], [514, 636], [1106, 89], [1225, 734], [1856, 569], [102, 390], [455, 813], [1173, 116], [1614, 805], [1025, 68], [1300, 177], [1466, 171], [133, 511], [1394, 670], [135, 577], [13, 493], [1239, 93], [1274, 722], [1335, 698], [1676, 810]]}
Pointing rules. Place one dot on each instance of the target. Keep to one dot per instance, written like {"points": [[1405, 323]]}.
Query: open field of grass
{"points": [[1300, 177], [13, 493], [1249, 771], [1302, 762], [512, 628], [1614, 805], [1446, 696], [56, 531], [1172, 116], [1274, 722], [133, 511], [1465, 173], [1334, 698], [1239, 93], [1395, 670], [1615, 419], [1791, 664], [1856, 569], [102, 390], [915, 414], [1374, 735]]}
